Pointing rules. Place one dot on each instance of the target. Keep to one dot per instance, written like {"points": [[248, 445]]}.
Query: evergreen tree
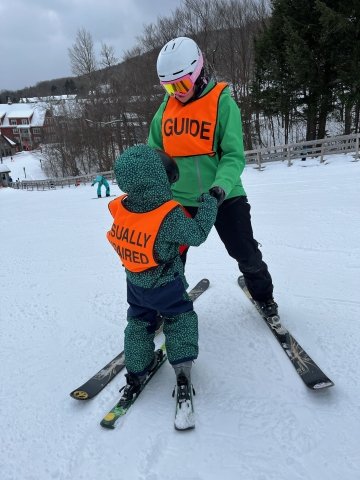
{"points": [[343, 24], [273, 88], [70, 86], [297, 60]]}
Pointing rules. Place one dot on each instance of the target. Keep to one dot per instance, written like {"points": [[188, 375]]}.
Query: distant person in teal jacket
{"points": [[100, 180]]}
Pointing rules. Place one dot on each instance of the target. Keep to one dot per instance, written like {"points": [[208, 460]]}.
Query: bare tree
{"points": [[82, 56], [108, 58], [166, 28], [240, 22], [119, 113]]}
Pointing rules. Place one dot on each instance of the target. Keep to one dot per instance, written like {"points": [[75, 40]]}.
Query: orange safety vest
{"points": [[133, 234], [189, 129]]}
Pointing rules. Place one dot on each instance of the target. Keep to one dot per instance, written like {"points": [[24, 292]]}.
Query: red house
{"points": [[24, 124]]}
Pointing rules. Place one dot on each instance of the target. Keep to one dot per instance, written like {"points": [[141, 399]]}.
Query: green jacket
{"points": [[140, 173], [199, 173]]}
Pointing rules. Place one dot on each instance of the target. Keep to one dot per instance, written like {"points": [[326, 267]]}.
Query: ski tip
{"points": [[184, 429], [185, 421], [79, 395], [321, 385], [109, 426], [109, 421], [109, 417]]}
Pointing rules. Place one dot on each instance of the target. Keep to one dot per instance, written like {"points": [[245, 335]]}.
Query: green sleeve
{"points": [[230, 143], [180, 229], [155, 136]]}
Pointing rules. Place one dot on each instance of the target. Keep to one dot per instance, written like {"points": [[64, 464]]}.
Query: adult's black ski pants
{"points": [[233, 224]]}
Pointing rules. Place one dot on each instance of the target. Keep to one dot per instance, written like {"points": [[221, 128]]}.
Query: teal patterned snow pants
{"points": [[180, 325]]}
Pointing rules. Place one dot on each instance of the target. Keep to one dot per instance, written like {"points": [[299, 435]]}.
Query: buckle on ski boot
{"points": [[130, 390], [269, 308]]}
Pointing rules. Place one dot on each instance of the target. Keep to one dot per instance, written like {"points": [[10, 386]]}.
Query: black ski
{"points": [[310, 373], [97, 382]]}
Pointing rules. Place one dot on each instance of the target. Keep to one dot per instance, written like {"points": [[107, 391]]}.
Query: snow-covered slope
{"points": [[25, 166], [63, 308]]}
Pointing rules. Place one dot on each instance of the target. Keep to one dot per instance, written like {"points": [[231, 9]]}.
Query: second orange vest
{"points": [[189, 130], [133, 235]]}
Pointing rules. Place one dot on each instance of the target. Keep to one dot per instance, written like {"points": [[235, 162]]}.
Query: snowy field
{"points": [[63, 308]]}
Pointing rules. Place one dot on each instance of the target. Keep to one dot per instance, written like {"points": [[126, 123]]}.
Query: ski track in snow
{"points": [[63, 309]]}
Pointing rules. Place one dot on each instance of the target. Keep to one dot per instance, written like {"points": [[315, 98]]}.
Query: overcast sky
{"points": [[35, 34]]}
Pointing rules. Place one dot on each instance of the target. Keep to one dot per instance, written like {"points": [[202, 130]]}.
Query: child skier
{"points": [[147, 231]]}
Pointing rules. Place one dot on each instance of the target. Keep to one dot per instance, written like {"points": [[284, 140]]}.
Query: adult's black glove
{"points": [[218, 193]]}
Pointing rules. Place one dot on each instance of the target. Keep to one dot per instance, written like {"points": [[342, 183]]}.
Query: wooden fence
{"points": [[310, 149], [53, 183], [303, 150]]}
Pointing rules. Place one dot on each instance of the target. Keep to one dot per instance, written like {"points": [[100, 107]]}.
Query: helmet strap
{"points": [[200, 84]]}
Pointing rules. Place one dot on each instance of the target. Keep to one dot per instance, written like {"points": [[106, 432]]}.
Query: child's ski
{"points": [[98, 381], [122, 406]]}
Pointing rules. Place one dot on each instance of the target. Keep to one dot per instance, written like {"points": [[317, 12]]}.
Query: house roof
{"points": [[20, 114], [9, 140], [34, 112], [52, 98], [4, 169]]}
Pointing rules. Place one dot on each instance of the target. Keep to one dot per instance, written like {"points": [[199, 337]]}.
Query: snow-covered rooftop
{"points": [[9, 140], [34, 112], [53, 98], [4, 168], [20, 114]]}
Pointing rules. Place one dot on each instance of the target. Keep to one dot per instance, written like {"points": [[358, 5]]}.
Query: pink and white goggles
{"points": [[182, 86]]}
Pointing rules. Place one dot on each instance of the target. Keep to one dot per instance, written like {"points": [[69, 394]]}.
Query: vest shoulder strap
{"points": [[114, 204]]}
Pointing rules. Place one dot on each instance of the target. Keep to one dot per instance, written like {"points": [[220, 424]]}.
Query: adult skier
{"points": [[199, 125]]}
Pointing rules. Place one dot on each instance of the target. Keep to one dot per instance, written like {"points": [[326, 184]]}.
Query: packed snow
{"points": [[63, 313]]}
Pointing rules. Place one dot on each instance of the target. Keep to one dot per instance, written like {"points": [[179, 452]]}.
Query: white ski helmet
{"points": [[179, 57]]}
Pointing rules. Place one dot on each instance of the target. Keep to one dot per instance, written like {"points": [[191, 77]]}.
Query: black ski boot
{"points": [[269, 308], [131, 390], [135, 383]]}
